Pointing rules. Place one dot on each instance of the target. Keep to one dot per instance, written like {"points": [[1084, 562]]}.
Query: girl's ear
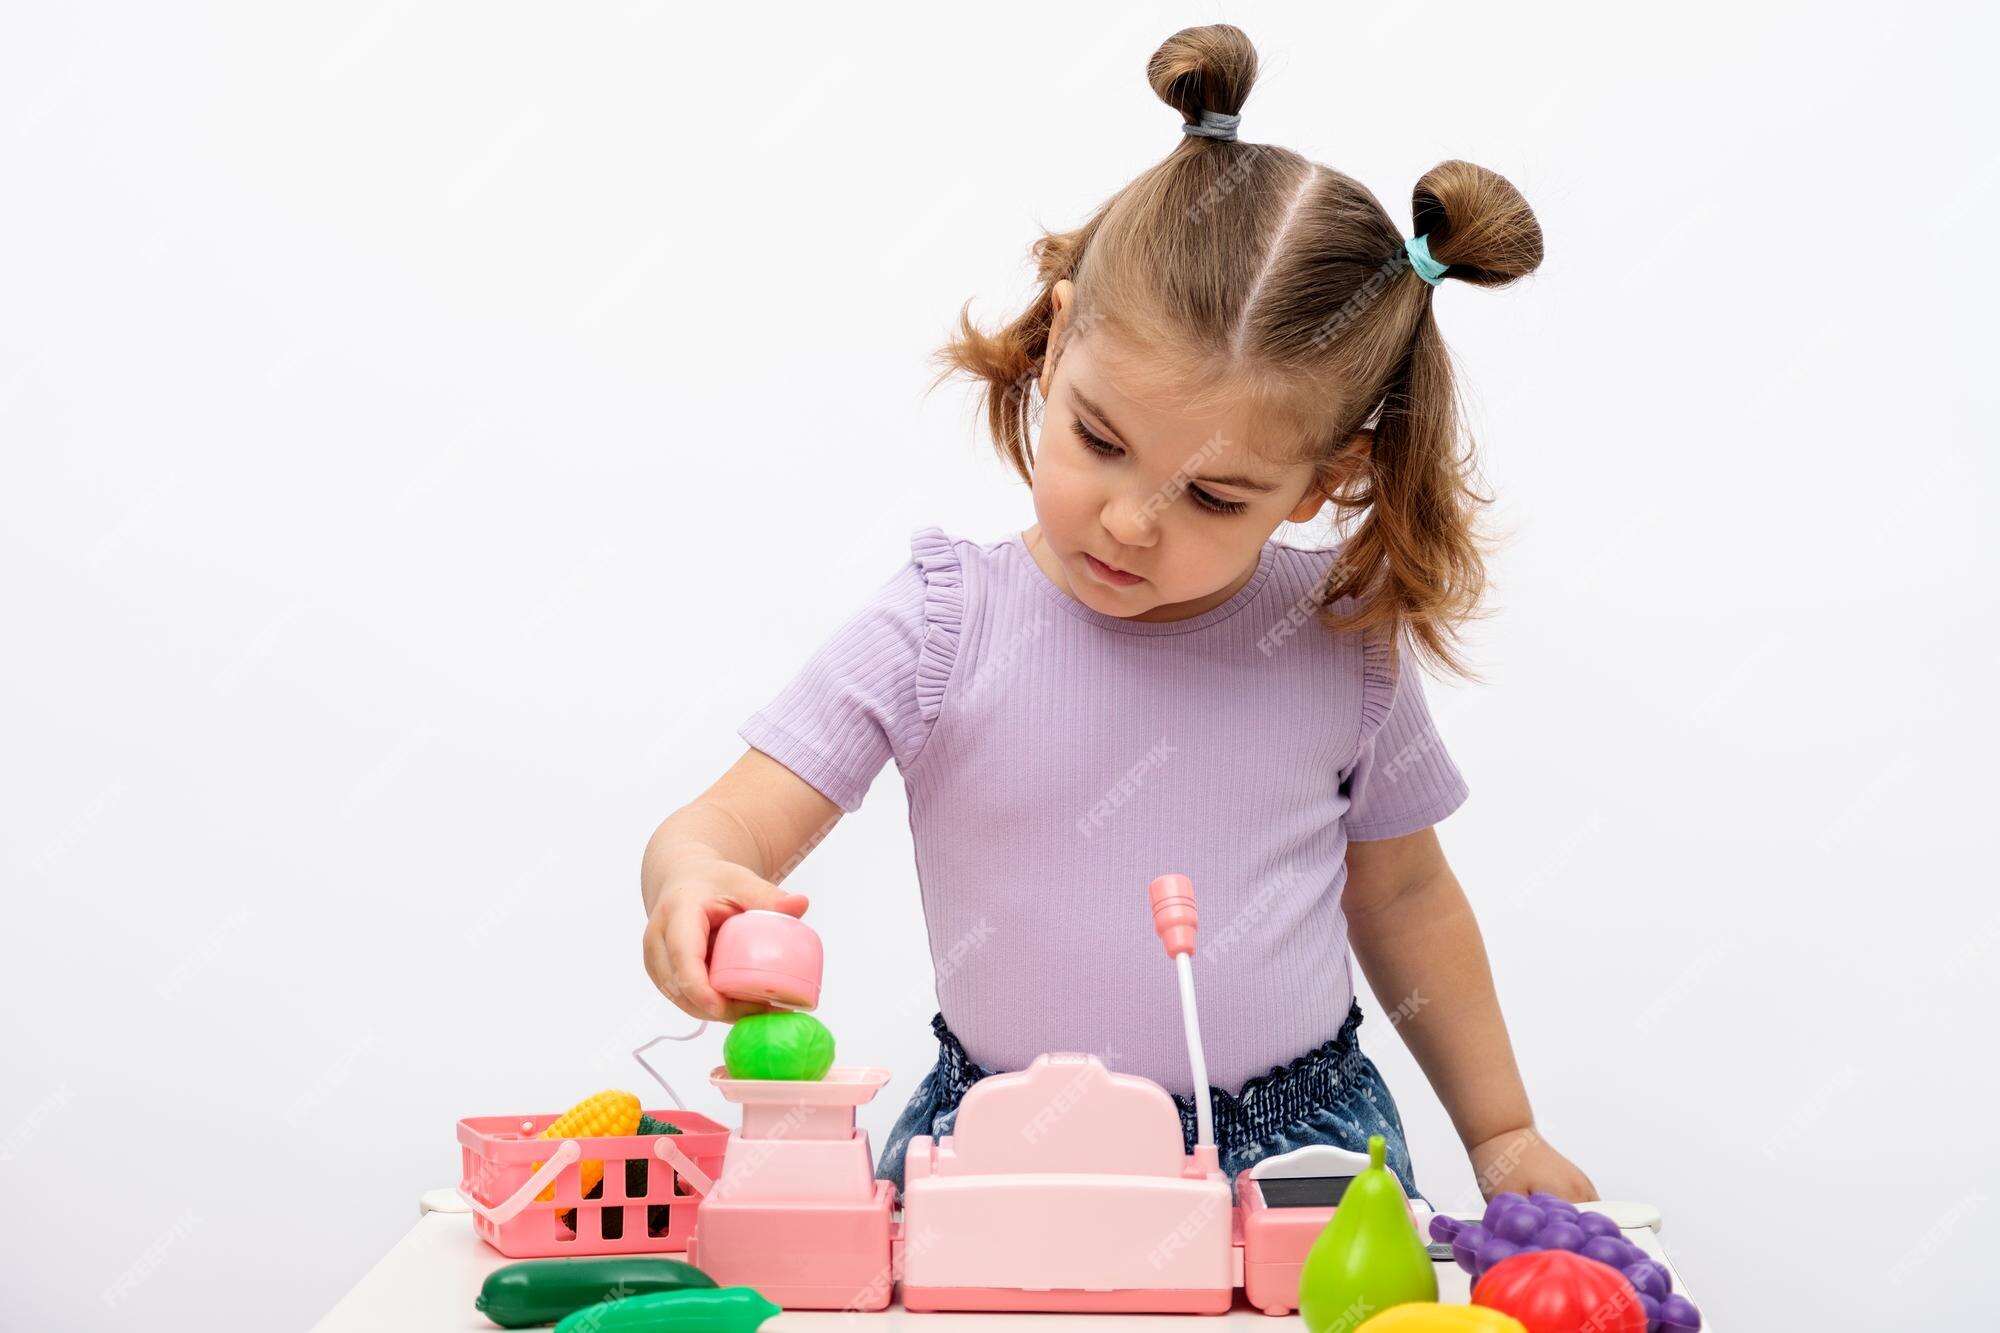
{"points": [[1351, 462], [1063, 300], [1307, 507], [1335, 476]]}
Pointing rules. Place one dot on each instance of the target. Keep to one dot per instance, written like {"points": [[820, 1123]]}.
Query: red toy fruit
{"points": [[1555, 1291]]}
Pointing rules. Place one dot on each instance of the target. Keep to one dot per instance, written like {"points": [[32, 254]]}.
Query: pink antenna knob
{"points": [[1173, 912]]}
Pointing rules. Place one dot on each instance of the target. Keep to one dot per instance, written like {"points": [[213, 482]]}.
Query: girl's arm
{"points": [[725, 851], [759, 814], [1414, 934]]}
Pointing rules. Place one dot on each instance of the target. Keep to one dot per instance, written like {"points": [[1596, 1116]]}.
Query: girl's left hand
{"points": [[1522, 1161]]}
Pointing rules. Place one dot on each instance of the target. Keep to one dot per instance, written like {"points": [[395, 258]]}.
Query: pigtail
{"points": [[1414, 563], [1007, 363]]}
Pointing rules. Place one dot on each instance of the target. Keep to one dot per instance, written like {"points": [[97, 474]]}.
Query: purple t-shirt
{"points": [[1057, 759]]}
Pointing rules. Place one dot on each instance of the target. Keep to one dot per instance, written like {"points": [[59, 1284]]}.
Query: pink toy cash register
{"points": [[1063, 1186], [1067, 1187]]}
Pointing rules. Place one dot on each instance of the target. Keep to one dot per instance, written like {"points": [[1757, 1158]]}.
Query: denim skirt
{"points": [[1331, 1094]]}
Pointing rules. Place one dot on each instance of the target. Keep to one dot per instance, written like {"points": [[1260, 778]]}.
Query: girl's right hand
{"points": [[698, 896]]}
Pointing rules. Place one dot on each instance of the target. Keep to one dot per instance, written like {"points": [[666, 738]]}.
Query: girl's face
{"points": [[1147, 512]]}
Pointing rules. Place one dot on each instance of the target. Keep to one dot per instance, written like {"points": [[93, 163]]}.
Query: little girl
{"points": [[1144, 681]]}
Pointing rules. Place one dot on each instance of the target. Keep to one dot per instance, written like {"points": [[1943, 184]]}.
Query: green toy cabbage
{"points": [[779, 1045]]}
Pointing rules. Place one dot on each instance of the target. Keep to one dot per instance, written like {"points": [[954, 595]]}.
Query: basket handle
{"points": [[566, 1152], [670, 1152]]}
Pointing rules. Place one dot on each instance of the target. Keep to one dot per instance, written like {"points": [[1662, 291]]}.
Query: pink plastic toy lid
{"points": [[844, 1085], [759, 954]]}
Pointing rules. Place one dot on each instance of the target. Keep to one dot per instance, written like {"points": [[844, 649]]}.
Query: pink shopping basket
{"points": [[500, 1180]]}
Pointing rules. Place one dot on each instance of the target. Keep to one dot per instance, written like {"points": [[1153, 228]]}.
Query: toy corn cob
{"points": [[602, 1116], [635, 1186]]}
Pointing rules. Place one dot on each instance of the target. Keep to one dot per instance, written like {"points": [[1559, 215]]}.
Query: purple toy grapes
{"points": [[1678, 1315], [1596, 1224], [1513, 1225], [1493, 1251], [1646, 1280], [1606, 1250], [1560, 1235]]}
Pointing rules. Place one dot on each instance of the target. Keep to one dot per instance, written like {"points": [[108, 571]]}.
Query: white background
{"points": [[427, 431]]}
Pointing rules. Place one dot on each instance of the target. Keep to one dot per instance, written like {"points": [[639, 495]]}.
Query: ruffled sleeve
{"points": [[1378, 684], [873, 688], [1402, 779], [944, 616]]}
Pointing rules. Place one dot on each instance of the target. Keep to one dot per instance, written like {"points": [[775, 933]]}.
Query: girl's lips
{"points": [[1107, 574]]}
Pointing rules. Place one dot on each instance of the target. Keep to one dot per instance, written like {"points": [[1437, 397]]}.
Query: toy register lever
{"points": [[1174, 919]]}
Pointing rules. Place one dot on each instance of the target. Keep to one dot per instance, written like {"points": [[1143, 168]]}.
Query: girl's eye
{"points": [[1103, 448]]}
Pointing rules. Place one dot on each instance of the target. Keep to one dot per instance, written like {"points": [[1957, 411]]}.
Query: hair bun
{"points": [[1210, 68], [1477, 222]]}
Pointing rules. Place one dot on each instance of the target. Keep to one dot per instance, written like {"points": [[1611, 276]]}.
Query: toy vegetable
{"points": [[723, 1310], [601, 1116], [1555, 1291], [635, 1187], [1369, 1257], [1430, 1317], [541, 1291], [778, 1045]]}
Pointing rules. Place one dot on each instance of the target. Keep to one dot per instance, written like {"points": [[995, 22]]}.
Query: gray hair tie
{"points": [[1214, 125]]}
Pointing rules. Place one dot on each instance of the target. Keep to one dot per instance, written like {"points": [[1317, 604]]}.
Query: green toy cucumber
{"points": [[541, 1291], [722, 1310]]}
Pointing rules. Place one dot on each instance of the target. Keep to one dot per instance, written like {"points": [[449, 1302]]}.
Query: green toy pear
{"points": [[1369, 1257]]}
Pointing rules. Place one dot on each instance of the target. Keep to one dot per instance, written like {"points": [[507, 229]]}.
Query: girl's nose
{"points": [[1132, 520]]}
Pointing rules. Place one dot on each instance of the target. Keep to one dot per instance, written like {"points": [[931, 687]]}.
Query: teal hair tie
{"points": [[1420, 256]]}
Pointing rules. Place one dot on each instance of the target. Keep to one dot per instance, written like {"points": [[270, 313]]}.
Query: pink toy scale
{"points": [[1063, 1186], [797, 1212]]}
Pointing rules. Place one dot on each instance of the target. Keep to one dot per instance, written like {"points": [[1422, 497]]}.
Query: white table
{"points": [[425, 1284]]}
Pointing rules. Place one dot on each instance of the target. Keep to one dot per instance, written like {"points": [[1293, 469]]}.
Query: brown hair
{"points": [[1245, 269]]}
